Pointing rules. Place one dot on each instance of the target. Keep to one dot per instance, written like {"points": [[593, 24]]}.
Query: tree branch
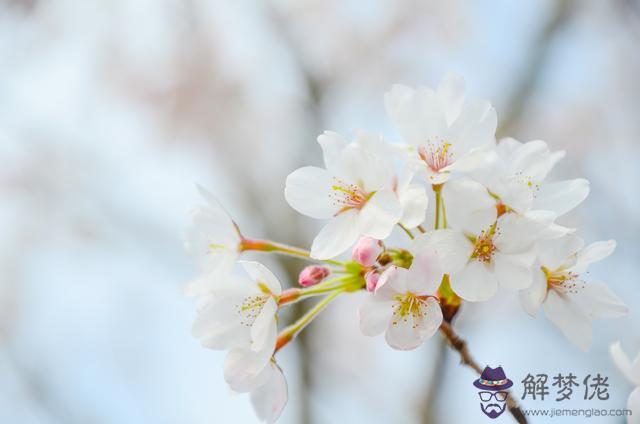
{"points": [[460, 346]]}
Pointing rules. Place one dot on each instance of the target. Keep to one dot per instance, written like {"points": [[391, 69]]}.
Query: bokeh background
{"points": [[111, 111]]}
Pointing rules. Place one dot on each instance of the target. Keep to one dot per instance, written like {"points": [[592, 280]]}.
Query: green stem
{"points": [[326, 286], [406, 230], [293, 295], [438, 193], [269, 246], [444, 214], [292, 331]]}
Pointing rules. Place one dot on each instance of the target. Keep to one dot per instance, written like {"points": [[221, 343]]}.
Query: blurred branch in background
{"points": [[533, 68], [460, 346]]}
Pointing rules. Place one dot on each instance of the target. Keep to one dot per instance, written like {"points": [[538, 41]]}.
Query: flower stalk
{"points": [[270, 246], [294, 329]]}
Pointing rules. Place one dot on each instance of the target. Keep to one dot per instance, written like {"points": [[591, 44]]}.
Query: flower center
{"points": [[348, 196], [409, 306], [484, 247], [436, 154], [562, 282], [250, 308]]}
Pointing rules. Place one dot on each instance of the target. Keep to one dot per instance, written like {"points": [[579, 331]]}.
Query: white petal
{"points": [[634, 405], [469, 161], [532, 160], [468, 205], [374, 315], [392, 281], [262, 275], [414, 202], [270, 399], [514, 192], [245, 370], [219, 335], [416, 114], [432, 177], [598, 301], [554, 231], [475, 282], [379, 215], [635, 372], [409, 332], [220, 273], [217, 324], [211, 236], [623, 362], [562, 196], [554, 253], [508, 146], [370, 169], [264, 329], [518, 232], [219, 215], [513, 271], [532, 297], [475, 127], [451, 94], [567, 316], [308, 191], [452, 247], [425, 275], [593, 253], [332, 145], [337, 236], [432, 320]]}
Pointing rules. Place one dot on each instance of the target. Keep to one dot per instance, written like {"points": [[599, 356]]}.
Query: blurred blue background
{"points": [[111, 111]]}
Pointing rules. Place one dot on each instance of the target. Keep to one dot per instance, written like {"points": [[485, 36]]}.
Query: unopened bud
{"points": [[371, 278], [312, 275], [366, 251]]}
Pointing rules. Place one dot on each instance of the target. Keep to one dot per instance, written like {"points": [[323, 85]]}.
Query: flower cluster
{"points": [[479, 215]]}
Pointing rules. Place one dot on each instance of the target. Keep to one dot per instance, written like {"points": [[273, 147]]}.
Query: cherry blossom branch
{"points": [[460, 346]]}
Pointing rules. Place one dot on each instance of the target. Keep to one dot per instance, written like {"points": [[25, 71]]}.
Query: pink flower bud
{"points": [[366, 251], [312, 275], [371, 279]]}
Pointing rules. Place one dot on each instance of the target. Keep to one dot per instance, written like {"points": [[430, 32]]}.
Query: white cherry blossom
{"points": [[515, 174], [240, 315], [403, 304], [214, 240], [448, 133], [471, 207], [270, 398], [631, 370], [360, 193], [480, 252], [568, 301]]}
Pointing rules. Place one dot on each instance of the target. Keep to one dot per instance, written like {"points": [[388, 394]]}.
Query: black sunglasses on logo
{"points": [[499, 396]]}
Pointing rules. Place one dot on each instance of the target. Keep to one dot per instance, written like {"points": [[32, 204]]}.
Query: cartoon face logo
{"points": [[493, 384]]}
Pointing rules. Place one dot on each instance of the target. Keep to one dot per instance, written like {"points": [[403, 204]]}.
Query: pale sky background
{"points": [[111, 111]]}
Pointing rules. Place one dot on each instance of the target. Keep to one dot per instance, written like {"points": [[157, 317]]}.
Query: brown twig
{"points": [[466, 359]]}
